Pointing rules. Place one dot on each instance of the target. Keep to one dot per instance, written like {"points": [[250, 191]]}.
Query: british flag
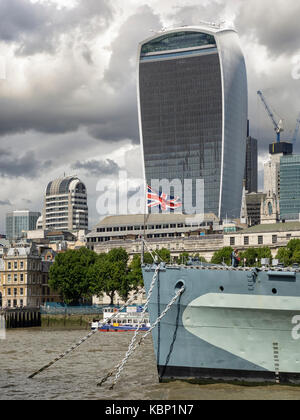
{"points": [[162, 200]]}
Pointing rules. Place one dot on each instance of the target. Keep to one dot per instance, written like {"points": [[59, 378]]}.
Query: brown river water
{"points": [[75, 376]]}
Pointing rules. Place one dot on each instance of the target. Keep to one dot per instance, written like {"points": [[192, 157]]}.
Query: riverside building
{"points": [[24, 274], [192, 105], [65, 205]]}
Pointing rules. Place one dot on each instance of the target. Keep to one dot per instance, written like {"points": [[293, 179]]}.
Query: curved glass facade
{"points": [[177, 40], [193, 115]]}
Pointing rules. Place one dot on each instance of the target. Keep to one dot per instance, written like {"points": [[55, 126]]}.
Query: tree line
{"points": [[80, 274], [252, 256]]}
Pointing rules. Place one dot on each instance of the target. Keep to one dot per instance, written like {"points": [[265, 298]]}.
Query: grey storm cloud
{"points": [[109, 108], [26, 166], [273, 23], [37, 27], [5, 203], [98, 167]]}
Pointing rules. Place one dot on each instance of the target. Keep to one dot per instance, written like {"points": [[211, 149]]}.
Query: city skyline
{"points": [[69, 102]]}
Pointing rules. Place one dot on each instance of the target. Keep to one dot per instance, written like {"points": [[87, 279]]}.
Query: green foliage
{"points": [[163, 255], [135, 276], [200, 258], [223, 255], [293, 245], [68, 274], [183, 258], [248, 257], [283, 255], [109, 274], [290, 254]]}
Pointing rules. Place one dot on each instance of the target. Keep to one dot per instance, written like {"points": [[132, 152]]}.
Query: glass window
{"points": [[178, 40]]}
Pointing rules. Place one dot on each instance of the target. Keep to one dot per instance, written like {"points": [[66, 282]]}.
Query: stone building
{"points": [[24, 274], [274, 236]]}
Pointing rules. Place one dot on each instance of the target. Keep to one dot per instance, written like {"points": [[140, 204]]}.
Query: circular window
{"points": [[274, 291]]}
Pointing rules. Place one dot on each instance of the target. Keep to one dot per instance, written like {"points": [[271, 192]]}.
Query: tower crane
{"points": [[296, 130], [278, 127]]}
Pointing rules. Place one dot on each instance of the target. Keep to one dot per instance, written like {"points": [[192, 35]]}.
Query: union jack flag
{"points": [[162, 200]]}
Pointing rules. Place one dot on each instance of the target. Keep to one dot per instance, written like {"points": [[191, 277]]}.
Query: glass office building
{"points": [[192, 103], [289, 200], [18, 221]]}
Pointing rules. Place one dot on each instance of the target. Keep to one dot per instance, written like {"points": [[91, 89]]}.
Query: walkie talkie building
{"points": [[192, 103]]}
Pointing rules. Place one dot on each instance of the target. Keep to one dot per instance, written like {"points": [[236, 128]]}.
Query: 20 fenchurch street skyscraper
{"points": [[192, 102]]}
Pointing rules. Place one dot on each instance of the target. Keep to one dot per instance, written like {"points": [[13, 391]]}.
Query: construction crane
{"points": [[278, 127], [296, 130]]}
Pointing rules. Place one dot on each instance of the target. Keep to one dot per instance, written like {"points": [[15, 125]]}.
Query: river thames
{"points": [[75, 376]]}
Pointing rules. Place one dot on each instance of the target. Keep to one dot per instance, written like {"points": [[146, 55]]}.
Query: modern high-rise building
{"points": [[65, 205], [289, 201], [19, 221], [251, 165], [192, 104]]}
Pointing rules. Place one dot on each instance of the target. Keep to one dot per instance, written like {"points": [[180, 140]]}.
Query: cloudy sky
{"points": [[68, 84]]}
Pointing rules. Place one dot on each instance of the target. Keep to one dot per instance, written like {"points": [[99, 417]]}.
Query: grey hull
{"points": [[227, 325]]}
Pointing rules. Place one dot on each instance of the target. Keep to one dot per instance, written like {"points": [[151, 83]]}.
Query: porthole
{"points": [[221, 289], [274, 291], [179, 285]]}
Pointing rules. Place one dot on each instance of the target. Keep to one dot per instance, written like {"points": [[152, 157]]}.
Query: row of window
{"points": [[15, 291], [19, 265], [31, 278], [151, 227], [15, 303], [260, 239]]}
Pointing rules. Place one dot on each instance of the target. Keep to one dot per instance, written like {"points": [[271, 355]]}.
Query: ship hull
{"points": [[227, 325]]}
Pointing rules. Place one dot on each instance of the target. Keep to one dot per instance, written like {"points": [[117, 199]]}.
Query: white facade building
{"points": [[65, 205]]}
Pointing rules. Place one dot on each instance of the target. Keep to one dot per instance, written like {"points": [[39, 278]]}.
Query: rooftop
{"points": [[140, 219], [273, 227]]}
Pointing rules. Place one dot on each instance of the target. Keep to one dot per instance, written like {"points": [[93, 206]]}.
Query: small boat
{"points": [[126, 320]]}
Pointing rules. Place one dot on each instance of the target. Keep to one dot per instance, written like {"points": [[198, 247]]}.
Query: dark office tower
{"points": [[192, 102], [251, 165]]}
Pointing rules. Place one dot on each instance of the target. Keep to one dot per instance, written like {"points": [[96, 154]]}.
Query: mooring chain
{"points": [[121, 365], [113, 315], [154, 278]]}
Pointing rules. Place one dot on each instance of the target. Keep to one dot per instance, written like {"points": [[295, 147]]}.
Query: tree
{"points": [[135, 275], [223, 255], [283, 255], [183, 258], [109, 274], [69, 274], [293, 245], [263, 252], [163, 254], [250, 256], [296, 256], [200, 258]]}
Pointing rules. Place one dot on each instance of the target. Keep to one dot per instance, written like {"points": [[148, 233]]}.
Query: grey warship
{"points": [[236, 324]]}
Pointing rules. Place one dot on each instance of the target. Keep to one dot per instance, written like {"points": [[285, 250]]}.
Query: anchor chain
{"points": [[154, 278], [112, 316], [130, 351]]}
